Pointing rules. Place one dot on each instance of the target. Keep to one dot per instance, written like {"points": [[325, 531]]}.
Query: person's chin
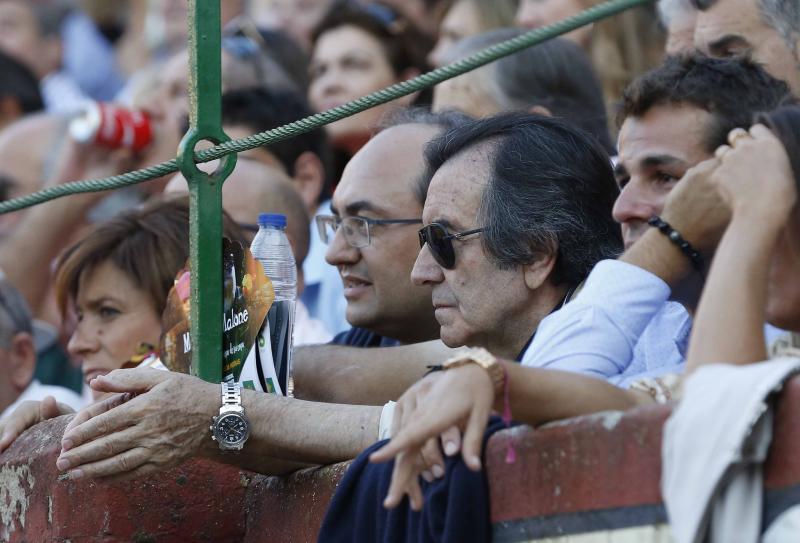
{"points": [[360, 315], [450, 334]]}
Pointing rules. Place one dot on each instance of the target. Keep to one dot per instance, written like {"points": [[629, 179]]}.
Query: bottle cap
{"points": [[276, 220]]}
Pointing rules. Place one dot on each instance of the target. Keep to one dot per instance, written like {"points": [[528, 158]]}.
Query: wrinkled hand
{"points": [[460, 398], [155, 420], [29, 414], [755, 176], [695, 208], [432, 462]]}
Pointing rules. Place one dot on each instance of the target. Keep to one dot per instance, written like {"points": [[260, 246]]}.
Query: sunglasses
{"points": [[440, 243]]}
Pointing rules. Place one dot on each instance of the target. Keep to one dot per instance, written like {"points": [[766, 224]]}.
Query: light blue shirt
{"points": [[89, 58], [324, 292], [620, 327]]}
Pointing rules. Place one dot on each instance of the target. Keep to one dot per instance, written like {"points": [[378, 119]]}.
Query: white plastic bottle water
{"points": [[272, 249]]}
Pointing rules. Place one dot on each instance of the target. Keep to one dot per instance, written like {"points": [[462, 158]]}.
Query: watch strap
{"points": [[231, 394], [485, 360]]}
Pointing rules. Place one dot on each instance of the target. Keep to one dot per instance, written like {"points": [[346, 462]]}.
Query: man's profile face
{"points": [[378, 183], [476, 303], [655, 151], [732, 28]]}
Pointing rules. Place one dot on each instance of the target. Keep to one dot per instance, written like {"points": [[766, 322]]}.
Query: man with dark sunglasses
{"points": [[517, 214]]}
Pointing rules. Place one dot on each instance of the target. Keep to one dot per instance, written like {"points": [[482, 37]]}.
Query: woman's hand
{"points": [[29, 414], [755, 176], [433, 409]]}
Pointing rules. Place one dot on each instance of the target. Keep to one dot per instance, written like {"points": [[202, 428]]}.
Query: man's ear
{"points": [[538, 272], [309, 179], [22, 360], [540, 110]]}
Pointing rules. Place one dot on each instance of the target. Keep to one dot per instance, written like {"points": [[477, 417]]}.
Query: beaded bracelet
{"points": [[675, 237]]}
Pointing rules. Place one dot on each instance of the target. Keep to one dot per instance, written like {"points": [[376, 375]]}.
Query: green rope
{"points": [[481, 58]]}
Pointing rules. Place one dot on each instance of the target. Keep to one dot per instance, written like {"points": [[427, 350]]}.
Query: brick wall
{"points": [[597, 476]]}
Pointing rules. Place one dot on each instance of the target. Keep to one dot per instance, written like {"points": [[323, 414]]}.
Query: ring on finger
{"points": [[721, 151], [736, 135]]}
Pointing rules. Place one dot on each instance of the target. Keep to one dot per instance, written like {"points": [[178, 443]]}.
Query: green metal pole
{"points": [[205, 225]]}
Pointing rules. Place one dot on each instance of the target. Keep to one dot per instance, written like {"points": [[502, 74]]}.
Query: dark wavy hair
{"points": [[551, 190], [404, 45], [731, 90]]}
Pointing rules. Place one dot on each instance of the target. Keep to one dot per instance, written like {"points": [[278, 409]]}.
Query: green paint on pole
{"points": [[205, 228]]}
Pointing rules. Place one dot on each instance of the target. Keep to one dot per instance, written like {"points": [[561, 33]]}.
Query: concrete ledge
{"points": [[600, 475], [591, 475], [290, 509], [198, 501]]}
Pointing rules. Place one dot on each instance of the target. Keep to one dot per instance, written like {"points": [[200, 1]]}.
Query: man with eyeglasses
{"points": [[372, 240], [18, 359], [536, 253]]}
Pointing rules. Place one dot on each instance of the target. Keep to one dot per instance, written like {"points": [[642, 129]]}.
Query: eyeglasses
{"points": [[357, 230], [440, 243]]}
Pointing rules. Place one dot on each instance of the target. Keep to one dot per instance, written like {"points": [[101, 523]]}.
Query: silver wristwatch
{"points": [[230, 428]]}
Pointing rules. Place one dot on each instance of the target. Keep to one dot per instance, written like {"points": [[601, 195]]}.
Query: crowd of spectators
{"points": [[571, 229]]}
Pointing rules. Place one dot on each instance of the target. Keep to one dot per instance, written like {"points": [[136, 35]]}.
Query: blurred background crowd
{"points": [[281, 60]]}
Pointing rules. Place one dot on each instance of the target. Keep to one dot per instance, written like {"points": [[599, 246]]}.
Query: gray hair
{"points": [[15, 316], [550, 191], [782, 15], [669, 9]]}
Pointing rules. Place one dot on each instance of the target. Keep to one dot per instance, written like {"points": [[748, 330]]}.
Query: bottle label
{"points": [[257, 330]]}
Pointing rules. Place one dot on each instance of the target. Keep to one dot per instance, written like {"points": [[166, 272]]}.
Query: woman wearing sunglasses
{"points": [[755, 270]]}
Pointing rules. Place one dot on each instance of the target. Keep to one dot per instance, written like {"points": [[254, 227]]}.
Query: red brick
{"points": [[595, 462], [290, 509], [198, 501], [599, 462]]}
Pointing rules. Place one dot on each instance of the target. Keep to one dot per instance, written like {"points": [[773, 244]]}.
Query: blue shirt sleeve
{"points": [[596, 333]]}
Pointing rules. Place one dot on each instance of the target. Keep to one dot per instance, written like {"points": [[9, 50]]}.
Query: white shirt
{"points": [[36, 391], [61, 95], [620, 327]]}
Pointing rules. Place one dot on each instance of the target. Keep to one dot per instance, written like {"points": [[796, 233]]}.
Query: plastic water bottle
{"points": [[271, 248]]}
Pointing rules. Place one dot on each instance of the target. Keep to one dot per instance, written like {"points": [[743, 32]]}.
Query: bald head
{"points": [[254, 188], [26, 149], [393, 157]]}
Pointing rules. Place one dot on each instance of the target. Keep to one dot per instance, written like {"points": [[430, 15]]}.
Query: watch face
{"points": [[231, 430]]}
